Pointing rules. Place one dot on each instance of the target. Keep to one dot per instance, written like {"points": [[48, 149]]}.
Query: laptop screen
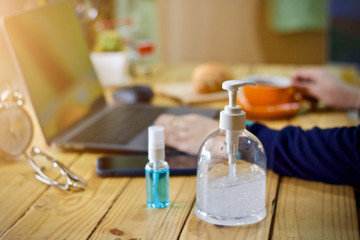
{"points": [[53, 58]]}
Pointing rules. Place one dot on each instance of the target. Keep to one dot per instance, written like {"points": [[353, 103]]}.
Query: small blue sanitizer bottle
{"points": [[157, 170]]}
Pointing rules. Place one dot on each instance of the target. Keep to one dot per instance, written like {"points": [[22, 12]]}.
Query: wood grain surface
{"points": [[115, 208]]}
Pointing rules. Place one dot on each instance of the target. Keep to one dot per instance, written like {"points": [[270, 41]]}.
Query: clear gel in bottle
{"points": [[157, 170]]}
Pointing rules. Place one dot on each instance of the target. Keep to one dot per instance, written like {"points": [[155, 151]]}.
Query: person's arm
{"points": [[327, 155]]}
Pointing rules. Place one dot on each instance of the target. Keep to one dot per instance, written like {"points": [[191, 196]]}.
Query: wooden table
{"points": [[114, 208]]}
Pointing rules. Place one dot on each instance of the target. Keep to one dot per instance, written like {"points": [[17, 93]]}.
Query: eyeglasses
{"points": [[47, 171]]}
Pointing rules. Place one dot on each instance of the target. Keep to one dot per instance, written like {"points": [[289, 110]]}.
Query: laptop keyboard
{"points": [[119, 127]]}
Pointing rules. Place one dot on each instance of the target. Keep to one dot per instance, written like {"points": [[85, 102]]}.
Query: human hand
{"points": [[186, 133], [327, 88]]}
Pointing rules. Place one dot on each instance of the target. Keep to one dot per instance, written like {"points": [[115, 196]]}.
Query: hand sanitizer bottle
{"points": [[231, 174], [157, 170]]}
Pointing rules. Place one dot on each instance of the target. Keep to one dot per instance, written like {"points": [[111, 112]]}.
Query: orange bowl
{"points": [[269, 91], [272, 97]]}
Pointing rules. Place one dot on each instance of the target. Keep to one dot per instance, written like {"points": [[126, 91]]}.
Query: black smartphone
{"points": [[134, 165]]}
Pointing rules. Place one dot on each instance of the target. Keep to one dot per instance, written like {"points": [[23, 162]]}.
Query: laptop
{"points": [[52, 56]]}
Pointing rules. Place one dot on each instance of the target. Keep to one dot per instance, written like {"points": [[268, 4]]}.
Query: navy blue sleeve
{"points": [[327, 155]]}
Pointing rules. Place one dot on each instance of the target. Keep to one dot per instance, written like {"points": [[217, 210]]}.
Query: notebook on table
{"points": [[52, 57]]}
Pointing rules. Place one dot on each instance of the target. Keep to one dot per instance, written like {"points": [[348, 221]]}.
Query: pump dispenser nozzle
{"points": [[232, 118], [232, 86]]}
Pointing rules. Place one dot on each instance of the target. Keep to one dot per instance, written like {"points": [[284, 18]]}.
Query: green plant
{"points": [[109, 41]]}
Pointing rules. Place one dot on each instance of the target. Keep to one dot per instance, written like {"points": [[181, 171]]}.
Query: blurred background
{"points": [[227, 31]]}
